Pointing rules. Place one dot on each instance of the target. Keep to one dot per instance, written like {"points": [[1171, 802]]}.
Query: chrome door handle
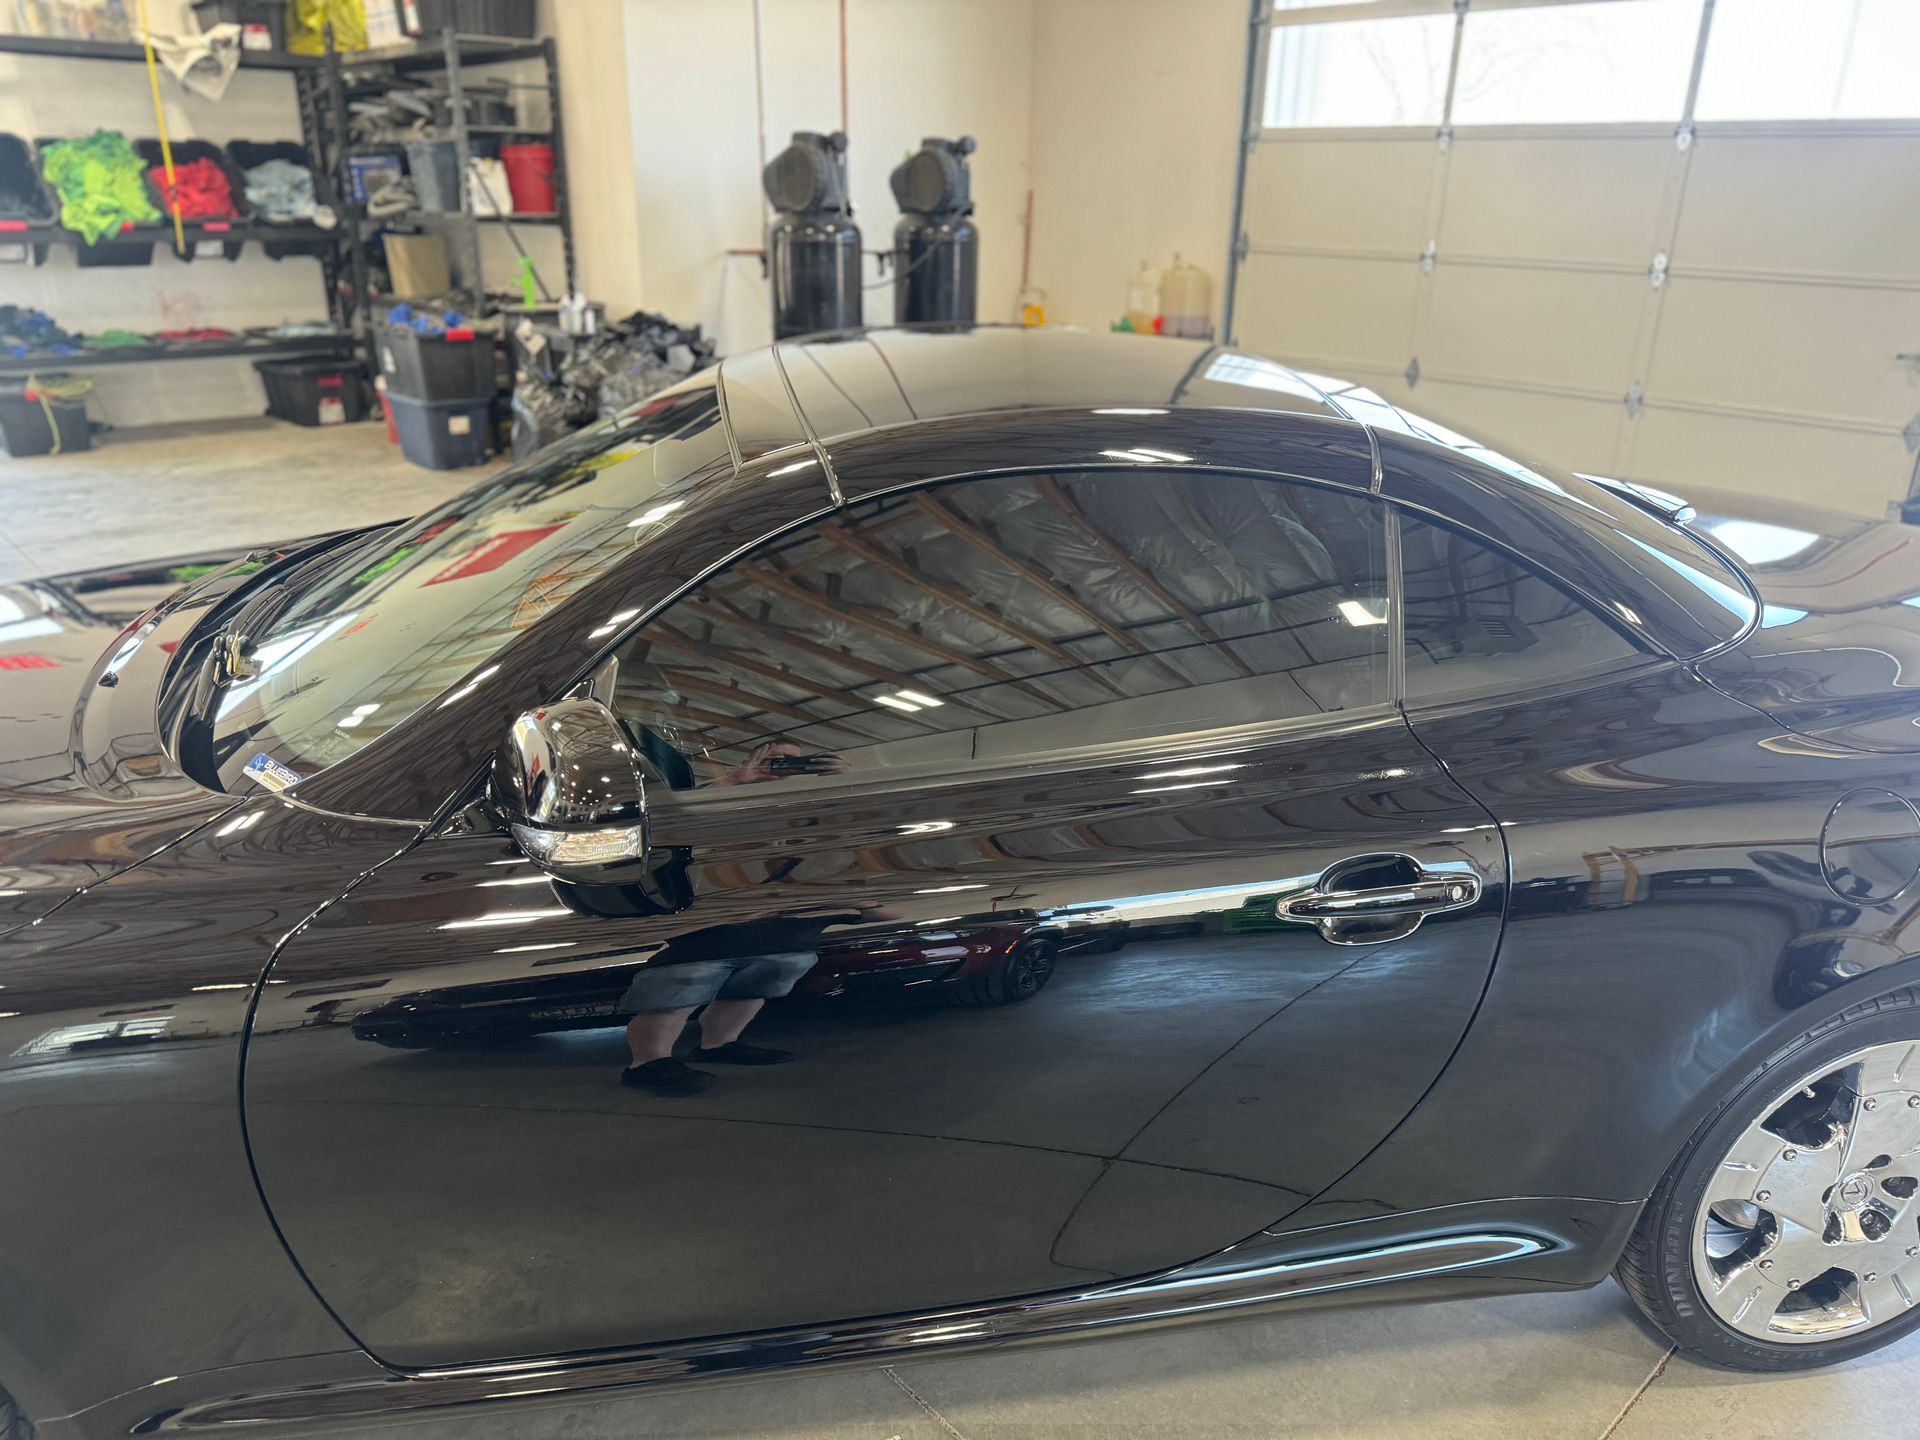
{"points": [[1371, 915]]}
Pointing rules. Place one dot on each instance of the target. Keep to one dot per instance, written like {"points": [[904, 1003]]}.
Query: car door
{"points": [[1129, 915]]}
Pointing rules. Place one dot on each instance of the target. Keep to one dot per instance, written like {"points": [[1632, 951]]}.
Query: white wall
{"points": [[1120, 114], [915, 68], [595, 106], [1135, 108]]}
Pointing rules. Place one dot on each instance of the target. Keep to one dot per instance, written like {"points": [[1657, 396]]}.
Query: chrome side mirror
{"points": [[570, 787]]}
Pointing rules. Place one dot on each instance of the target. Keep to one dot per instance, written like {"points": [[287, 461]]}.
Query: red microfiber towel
{"points": [[202, 187]]}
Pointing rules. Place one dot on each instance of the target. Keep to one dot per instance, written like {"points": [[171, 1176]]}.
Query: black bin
{"points": [[512, 18], [441, 434], [455, 366], [105, 252], [501, 17], [186, 152], [314, 392], [24, 200], [263, 23], [245, 154], [34, 423], [23, 195]]}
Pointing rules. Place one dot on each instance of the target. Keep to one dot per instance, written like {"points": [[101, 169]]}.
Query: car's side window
{"points": [[1478, 620], [990, 620]]}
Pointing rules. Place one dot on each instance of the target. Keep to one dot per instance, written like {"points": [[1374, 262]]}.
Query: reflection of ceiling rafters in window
{"points": [[765, 704], [765, 631], [851, 542], [665, 637], [990, 545], [960, 696], [795, 590], [1061, 501]]}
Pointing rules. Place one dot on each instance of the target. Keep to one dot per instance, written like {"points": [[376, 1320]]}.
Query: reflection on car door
{"points": [[461, 1192], [1261, 940]]}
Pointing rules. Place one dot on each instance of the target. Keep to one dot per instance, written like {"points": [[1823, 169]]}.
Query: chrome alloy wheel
{"points": [[1809, 1227]]}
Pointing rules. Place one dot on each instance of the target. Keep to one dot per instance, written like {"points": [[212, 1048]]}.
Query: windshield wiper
{"points": [[230, 660], [298, 575]]}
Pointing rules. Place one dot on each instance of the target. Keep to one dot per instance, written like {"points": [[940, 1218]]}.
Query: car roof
{"points": [[838, 387], [784, 435], [830, 387]]}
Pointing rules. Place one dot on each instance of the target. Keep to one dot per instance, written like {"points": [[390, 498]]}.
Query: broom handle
{"points": [[166, 146]]}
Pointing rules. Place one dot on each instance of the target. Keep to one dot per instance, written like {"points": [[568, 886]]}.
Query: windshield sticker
{"points": [[271, 773]]}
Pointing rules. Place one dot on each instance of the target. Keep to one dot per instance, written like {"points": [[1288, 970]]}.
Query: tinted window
{"points": [[1477, 620], [380, 629], [994, 619]]}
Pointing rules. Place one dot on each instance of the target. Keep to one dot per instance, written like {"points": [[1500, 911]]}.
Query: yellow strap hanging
{"points": [[160, 119]]}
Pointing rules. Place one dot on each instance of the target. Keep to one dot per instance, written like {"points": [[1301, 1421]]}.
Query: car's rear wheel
{"points": [[1020, 976], [1787, 1234]]}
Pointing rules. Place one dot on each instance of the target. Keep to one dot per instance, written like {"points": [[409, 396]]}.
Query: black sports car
{"points": [[1516, 873]]}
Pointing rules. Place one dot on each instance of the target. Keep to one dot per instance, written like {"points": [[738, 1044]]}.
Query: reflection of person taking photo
{"points": [[728, 972]]}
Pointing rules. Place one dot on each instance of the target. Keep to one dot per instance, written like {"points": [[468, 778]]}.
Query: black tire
{"points": [[1656, 1267], [13, 1424], [1021, 976]]}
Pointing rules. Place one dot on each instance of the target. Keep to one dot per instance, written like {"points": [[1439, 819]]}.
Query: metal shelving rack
{"points": [[343, 257], [455, 54]]}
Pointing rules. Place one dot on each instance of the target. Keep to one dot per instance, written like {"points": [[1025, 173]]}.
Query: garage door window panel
{"points": [[1792, 60], [1349, 73], [1588, 64], [1001, 620]]}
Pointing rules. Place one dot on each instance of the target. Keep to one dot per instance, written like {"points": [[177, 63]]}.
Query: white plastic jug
{"points": [[1186, 300], [1143, 298]]}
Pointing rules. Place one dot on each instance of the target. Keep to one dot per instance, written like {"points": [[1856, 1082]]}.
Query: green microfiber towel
{"points": [[111, 339], [101, 183]]}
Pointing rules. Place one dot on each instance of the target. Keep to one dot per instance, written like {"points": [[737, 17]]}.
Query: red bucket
{"points": [[386, 409], [530, 176]]}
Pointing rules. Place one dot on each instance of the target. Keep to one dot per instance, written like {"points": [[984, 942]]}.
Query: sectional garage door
{"points": [[1726, 301]]}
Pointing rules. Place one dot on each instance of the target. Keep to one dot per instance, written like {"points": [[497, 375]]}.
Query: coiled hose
{"points": [[63, 389]]}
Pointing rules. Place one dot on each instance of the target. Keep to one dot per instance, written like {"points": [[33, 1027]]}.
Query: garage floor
{"points": [[148, 494], [1580, 1366]]}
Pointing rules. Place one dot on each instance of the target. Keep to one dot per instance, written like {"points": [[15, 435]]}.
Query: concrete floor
{"points": [[150, 494], [1581, 1366]]}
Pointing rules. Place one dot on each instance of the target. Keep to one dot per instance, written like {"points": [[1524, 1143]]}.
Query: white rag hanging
{"points": [[203, 63]]}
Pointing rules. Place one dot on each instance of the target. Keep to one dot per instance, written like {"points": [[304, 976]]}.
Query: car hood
{"points": [[86, 787], [1836, 653]]}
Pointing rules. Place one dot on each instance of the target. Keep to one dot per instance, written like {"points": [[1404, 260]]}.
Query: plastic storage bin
{"points": [[23, 195], [435, 167], [35, 424], [24, 201], [314, 392], [476, 17], [185, 152], [245, 154], [107, 252], [454, 366], [263, 23], [441, 434]]}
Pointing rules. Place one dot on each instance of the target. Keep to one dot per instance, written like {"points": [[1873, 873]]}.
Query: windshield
{"points": [[416, 608]]}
